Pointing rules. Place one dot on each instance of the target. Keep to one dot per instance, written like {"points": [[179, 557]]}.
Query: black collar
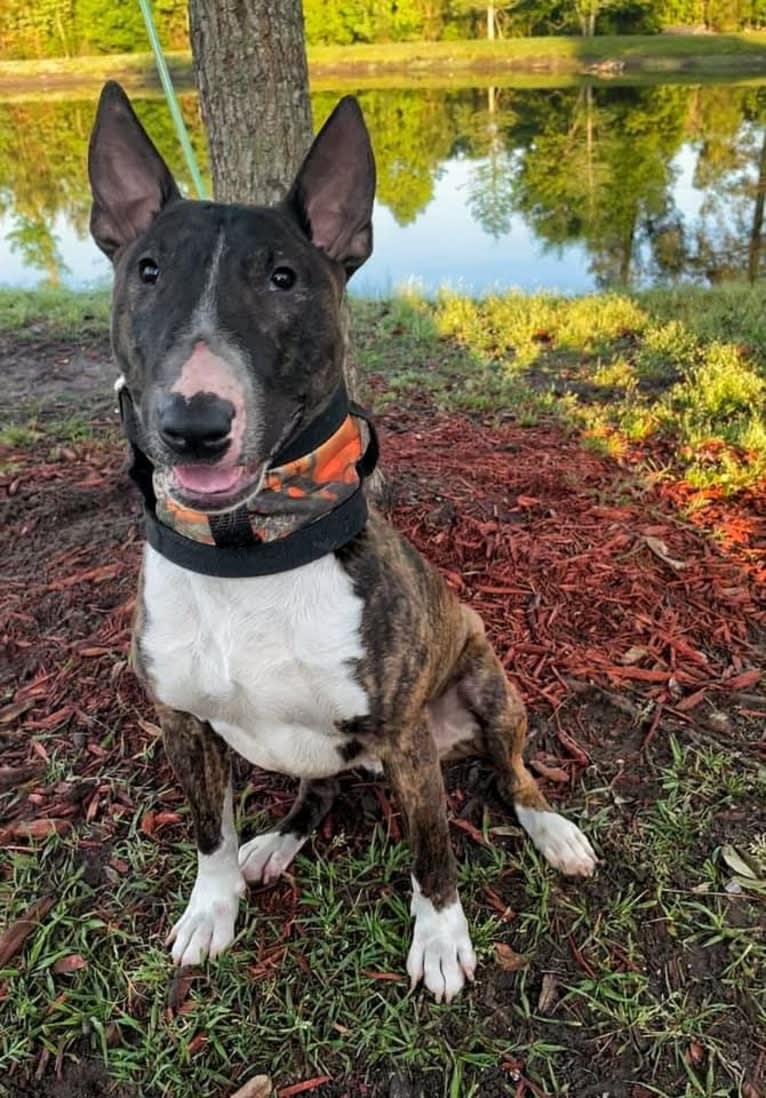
{"points": [[237, 552]]}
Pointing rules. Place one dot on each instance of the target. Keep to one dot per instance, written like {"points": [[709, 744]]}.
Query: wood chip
{"points": [[11, 777], [17, 933]]}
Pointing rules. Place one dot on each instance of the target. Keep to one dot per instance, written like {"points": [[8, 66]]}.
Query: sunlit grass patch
{"points": [[59, 311], [625, 371]]}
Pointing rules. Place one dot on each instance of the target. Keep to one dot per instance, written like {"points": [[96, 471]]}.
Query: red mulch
{"points": [[575, 567], [581, 574]]}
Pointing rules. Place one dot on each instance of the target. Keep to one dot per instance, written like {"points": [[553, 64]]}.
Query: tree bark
{"points": [[756, 234], [491, 21], [251, 70]]}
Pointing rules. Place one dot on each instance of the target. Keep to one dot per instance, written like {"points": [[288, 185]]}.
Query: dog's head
{"points": [[227, 320]]}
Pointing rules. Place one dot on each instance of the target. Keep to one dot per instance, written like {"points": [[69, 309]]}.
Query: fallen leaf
{"points": [[696, 1053], [148, 823], [548, 993], [260, 1086], [508, 960], [660, 549], [634, 654], [149, 727], [17, 933], [737, 863], [73, 963], [739, 884], [179, 990]]}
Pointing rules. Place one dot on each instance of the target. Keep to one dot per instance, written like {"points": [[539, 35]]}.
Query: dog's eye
{"points": [[148, 271], [283, 278]]}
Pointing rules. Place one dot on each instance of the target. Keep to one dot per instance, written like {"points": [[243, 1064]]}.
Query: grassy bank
{"points": [[678, 374], [740, 54]]}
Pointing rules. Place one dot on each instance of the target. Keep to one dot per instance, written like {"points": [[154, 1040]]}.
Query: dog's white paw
{"points": [[267, 856], [441, 954], [206, 928], [559, 841]]}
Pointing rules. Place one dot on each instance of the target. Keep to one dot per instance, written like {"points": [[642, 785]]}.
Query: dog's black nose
{"points": [[198, 427]]}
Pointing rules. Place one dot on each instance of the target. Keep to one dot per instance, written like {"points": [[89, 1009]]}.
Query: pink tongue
{"points": [[208, 478]]}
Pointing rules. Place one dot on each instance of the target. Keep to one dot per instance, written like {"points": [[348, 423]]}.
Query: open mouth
{"points": [[214, 485]]}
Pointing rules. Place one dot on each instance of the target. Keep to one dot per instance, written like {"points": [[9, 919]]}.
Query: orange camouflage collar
{"points": [[289, 496], [310, 502]]}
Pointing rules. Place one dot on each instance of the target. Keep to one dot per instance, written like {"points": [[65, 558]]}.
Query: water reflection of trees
{"points": [[43, 150], [590, 165]]}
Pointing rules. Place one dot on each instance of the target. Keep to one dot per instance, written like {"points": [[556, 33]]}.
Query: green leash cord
{"points": [[170, 95]]}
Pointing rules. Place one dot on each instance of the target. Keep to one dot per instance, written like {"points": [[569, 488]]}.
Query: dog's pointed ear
{"points": [[333, 192], [129, 180]]}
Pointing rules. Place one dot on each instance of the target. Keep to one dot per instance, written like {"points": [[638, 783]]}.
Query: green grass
{"points": [[740, 53], [55, 312], [318, 1009]]}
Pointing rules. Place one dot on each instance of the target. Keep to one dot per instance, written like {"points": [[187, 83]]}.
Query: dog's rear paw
{"points": [[559, 841], [441, 954], [205, 929], [267, 856]]}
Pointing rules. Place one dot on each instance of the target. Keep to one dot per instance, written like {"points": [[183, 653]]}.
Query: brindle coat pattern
{"points": [[419, 641]]}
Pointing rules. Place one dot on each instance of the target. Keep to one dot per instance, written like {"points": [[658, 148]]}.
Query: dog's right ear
{"points": [[129, 180]]}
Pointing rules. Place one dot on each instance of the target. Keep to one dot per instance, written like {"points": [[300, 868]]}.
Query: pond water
{"points": [[568, 189]]}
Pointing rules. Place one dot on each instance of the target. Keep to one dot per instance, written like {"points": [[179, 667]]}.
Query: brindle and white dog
{"points": [[228, 331]]}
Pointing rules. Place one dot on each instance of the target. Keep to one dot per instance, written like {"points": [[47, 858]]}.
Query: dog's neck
{"points": [[309, 502]]}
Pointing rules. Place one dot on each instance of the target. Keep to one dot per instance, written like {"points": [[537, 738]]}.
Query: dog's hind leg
{"points": [[266, 856], [500, 721], [200, 760]]}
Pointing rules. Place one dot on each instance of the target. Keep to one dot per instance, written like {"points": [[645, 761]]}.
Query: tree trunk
{"points": [[756, 234], [491, 22], [251, 70]]}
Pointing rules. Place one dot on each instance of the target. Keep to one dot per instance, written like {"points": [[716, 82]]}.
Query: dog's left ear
{"points": [[129, 179], [333, 192]]}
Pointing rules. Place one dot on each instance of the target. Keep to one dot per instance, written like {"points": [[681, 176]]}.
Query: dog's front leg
{"points": [[441, 953], [200, 761]]}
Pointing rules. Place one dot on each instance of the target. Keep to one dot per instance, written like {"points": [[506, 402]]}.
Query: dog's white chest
{"points": [[268, 660]]}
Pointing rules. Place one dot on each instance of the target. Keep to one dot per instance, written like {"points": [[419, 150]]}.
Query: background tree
{"points": [[251, 70]]}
